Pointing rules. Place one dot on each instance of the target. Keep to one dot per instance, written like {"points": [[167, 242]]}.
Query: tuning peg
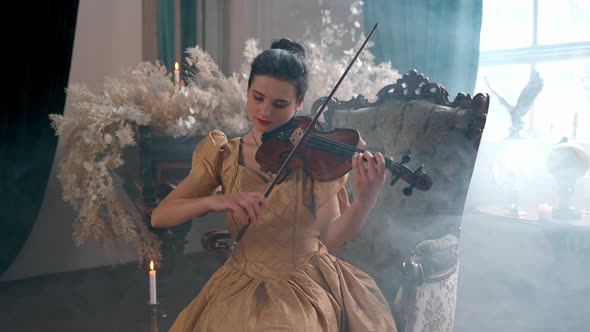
{"points": [[394, 180], [406, 158], [408, 190]]}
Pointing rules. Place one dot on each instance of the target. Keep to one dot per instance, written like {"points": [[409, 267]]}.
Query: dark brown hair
{"points": [[284, 60]]}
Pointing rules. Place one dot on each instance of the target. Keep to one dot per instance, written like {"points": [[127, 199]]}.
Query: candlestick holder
{"points": [[153, 326], [514, 209]]}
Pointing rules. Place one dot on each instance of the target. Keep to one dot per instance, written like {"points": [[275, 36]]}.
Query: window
{"points": [[550, 37]]}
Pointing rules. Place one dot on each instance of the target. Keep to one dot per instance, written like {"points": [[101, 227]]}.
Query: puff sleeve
{"points": [[206, 162]]}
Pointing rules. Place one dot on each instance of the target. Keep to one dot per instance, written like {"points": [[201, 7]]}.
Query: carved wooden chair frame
{"points": [[412, 86]]}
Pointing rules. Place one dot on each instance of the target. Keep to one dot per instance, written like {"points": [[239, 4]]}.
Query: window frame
{"points": [[535, 53]]}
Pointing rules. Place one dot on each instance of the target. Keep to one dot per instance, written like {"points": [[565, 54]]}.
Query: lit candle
{"points": [[152, 284], [176, 74], [545, 211]]}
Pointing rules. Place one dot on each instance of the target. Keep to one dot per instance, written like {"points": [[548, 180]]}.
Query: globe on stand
{"points": [[567, 162]]}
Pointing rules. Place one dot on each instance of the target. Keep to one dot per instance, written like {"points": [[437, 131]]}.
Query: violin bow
{"points": [[307, 129]]}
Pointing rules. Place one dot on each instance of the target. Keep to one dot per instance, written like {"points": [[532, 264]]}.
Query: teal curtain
{"points": [[188, 23], [165, 17], [166, 24], [437, 38]]}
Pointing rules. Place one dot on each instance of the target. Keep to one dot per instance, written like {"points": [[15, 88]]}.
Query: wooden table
{"points": [[565, 235]]}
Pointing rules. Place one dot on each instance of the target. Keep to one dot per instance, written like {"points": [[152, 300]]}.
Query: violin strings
{"points": [[331, 145]]}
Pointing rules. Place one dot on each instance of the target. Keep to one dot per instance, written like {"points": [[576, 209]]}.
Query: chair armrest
{"points": [[217, 241], [430, 272]]}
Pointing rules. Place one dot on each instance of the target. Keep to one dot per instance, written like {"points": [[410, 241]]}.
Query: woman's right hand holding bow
{"points": [[244, 204]]}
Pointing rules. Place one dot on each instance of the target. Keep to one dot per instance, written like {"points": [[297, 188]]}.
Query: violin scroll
{"points": [[415, 179]]}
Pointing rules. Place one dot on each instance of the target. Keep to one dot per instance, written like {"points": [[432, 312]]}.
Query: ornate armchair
{"points": [[410, 243]]}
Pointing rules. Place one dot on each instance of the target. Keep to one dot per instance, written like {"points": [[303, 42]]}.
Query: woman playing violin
{"points": [[280, 275]]}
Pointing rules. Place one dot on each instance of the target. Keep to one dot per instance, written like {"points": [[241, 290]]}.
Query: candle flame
{"points": [[151, 265], [176, 66]]}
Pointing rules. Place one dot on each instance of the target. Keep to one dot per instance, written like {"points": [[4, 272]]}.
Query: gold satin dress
{"points": [[280, 276]]}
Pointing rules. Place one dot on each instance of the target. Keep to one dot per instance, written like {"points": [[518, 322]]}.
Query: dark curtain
{"points": [[165, 19], [437, 38], [36, 69], [188, 29], [188, 23], [166, 22]]}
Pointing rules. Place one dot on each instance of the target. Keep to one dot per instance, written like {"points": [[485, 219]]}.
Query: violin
{"points": [[326, 156]]}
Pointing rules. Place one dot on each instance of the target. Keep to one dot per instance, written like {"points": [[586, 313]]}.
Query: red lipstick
{"points": [[262, 122]]}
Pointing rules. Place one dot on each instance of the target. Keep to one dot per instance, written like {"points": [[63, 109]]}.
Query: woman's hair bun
{"points": [[288, 45]]}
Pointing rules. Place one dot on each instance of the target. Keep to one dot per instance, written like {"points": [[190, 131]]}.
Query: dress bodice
{"points": [[286, 233]]}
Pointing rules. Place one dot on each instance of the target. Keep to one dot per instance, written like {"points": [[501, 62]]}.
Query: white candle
{"points": [[545, 211], [153, 299], [176, 74]]}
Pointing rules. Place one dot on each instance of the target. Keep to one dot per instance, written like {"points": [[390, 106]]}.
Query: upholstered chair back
{"points": [[414, 117]]}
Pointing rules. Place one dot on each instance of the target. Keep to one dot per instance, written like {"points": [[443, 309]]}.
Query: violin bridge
{"points": [[296, 136]]}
